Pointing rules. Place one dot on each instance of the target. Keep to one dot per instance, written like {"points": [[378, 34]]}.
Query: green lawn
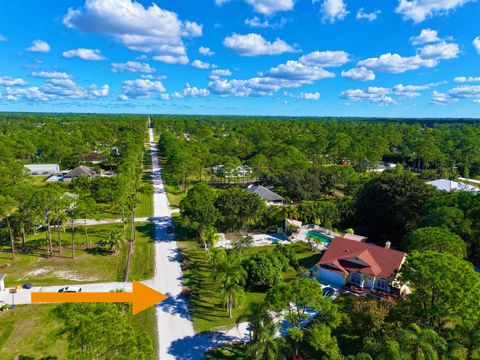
{"points": [[33, 330], [30, 330], [174, 195], [205, 304], [89, 266]]}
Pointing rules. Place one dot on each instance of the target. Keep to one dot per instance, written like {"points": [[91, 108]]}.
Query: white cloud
{"points": [[256, 22], [325, 58], [269, 7], [374, 95], [140, 89], [426, 36], [192, 91], [84, 54], [219, 73], [3, 38], [312, 96], [99, 91], [361, 14], [255, 45], [359, 74], [440, 51], [466, 79], [58, 86], [202, 65], [297, 72], [333, 10], [385, 96], [205, 51], [394, 63], [132, 66], [419, 10], [442, 98], [476, 44], [39, 46], [10, 81], [51, 75], [148, 30]]}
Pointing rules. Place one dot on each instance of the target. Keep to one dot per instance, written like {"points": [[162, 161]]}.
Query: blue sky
{"points": [[395, 58]]}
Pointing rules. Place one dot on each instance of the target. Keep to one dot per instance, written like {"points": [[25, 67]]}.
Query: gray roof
{"points": [[265, 193], [79, 171]]}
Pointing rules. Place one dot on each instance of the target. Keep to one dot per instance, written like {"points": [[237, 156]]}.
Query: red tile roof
{"points": [[348, 256]]}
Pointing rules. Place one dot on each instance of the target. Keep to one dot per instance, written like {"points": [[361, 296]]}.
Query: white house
{"points": [[42, 169], [450, 185]]}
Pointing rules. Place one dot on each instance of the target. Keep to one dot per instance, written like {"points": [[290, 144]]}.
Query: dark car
{"points": [[328, 291], [169, 230], [70, 289]]}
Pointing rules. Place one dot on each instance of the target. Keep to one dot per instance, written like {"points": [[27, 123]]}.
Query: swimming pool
{"points": [[319, 236]]}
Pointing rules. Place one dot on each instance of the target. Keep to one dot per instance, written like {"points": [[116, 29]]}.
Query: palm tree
{"points": [[264, 344], [231, 276], [421, 343], [209, 237], [467, 336], [7, 207], [113, 240]]}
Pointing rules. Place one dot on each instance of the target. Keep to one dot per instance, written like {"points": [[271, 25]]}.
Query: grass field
{"points": [[30, 330], [174, 195], [206, 306], [89, 266], [33, 330]]}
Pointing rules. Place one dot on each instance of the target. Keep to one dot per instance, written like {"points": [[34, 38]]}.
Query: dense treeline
{"points": [[27, 206], [278, 148]]}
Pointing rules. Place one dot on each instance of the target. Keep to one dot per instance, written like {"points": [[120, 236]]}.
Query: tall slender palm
{"points": [[209, 237], [421, 343], [7, 207], [264, 344], [232, 277]]}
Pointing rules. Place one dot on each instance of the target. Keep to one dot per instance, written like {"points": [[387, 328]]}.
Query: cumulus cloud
{"points": [[426, 36], [203, 65], [440, 51], [312, 96], [58, 86], [205, 51], [385, 96], [325, 58], [292, 74], [376, 95], [132, 66], [219, 73], [468, 92], [10, 81], [359, 74], [140, 89], [332, 10], [148, 30], [39, 46], [466, 79], [476, 44], [84, 54], [394, 63], [361, 14], [191, 92], [256, 22], [51, 75], [442, 98], [255, 45], [419, 10], [265, 7]]}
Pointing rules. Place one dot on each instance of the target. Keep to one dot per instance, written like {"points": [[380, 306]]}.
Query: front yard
{"points": [[205, 305]]}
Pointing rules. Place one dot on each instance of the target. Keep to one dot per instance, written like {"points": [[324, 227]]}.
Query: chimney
{"points": [[388, 244]]}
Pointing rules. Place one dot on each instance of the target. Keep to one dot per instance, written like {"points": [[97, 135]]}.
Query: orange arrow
{"points": [[141, 298]]}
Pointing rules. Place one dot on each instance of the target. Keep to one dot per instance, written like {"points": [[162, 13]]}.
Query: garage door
{"points": [[332, 277]]}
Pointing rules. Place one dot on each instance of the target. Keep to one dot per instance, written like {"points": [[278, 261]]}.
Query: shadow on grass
{"points": [[195, 347]]}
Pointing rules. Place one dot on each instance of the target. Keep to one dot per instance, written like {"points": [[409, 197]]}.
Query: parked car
{"points": [[169, 230], [328, 291], [70, 289]]}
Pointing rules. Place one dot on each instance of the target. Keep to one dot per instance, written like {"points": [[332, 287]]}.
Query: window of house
{"points": [[356, 279], [382, 284]]}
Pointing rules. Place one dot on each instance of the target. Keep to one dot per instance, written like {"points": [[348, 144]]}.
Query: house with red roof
{"points": [[361, 265]]}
